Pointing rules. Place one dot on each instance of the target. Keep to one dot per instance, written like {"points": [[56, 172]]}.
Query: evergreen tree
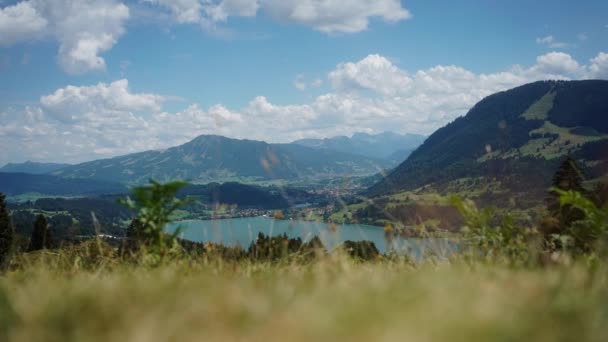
{"points": [[7, 235], [41, 234], [568, 177]]}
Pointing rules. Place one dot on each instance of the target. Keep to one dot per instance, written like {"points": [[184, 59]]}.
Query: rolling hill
{"points": [[216, 158], [388, 145], [516, 138]]}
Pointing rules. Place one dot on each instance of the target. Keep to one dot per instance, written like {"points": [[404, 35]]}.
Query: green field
{"points": [[333, 299]]}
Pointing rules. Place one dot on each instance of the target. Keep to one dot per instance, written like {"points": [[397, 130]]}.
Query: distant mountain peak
{"points": [[209, 158], [386, 145]]}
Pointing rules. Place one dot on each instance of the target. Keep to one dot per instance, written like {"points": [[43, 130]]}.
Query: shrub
{"points": [[588, 234], [361, 250], [154, 204], [493, 238]]}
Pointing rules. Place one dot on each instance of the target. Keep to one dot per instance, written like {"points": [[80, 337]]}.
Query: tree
{"points": [[568, 177], [134, 234], [41, 236], [7, 234]]}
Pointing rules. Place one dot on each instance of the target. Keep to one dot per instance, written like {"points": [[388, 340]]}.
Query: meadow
{"points": [[72, 297]]}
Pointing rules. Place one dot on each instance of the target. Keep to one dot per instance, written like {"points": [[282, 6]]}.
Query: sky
{"points": [[89, 79]]}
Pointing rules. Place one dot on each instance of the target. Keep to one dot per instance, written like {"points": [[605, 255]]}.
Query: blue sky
{"points": [[88, 79]]}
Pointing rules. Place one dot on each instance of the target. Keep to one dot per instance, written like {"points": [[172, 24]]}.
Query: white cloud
{"points": [[373, 72], [71, 103], [302, 83], [558, 65], [551, 42], [84, 28], [227, 8], [329, 16], [77, 123], [20, 22], [599, 66], [183, 11], [335, 16]]}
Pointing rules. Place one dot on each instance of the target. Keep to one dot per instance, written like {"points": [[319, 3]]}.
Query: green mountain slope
{"points": [[215, 158], [517, 137]]}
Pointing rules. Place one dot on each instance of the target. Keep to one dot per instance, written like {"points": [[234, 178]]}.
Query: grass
{"points": [[541, 108], [335, 298], [346, 212], [568, 140]]}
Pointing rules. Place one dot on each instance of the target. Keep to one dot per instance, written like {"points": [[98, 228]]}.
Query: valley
{"points": [[303, 170], [502, 154]]}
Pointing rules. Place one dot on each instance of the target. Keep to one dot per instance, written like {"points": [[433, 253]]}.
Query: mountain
{"points": [[388, 145], [14, 184], [216, 158], [32, 167], [515, 139]]}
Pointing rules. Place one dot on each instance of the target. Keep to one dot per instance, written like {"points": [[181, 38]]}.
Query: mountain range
{"points": [[390, 146], [515, 138], [215, 158]]}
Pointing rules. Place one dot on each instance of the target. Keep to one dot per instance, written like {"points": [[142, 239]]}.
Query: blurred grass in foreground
{"points": [[333, 298]]}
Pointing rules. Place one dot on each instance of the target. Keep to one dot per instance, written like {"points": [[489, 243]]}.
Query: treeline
{"points": [[88, 216]]}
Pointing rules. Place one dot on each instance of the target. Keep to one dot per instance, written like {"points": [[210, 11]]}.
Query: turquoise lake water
{"points": [[242, 231]]}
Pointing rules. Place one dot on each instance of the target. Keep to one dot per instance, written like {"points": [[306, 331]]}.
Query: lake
{"points": [[242, 231]]}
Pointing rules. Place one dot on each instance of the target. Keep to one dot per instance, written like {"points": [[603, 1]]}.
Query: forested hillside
{"points": [[517, 136]]}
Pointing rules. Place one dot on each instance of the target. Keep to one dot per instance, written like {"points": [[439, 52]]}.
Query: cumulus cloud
{"points": [[227, 8], [72, 103], [328, 16], [77, 123], [20, 22], [374, 72], [558, 65], [206, 12], [84, 28], [335, 16], [183, 11], [599, 66]]}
